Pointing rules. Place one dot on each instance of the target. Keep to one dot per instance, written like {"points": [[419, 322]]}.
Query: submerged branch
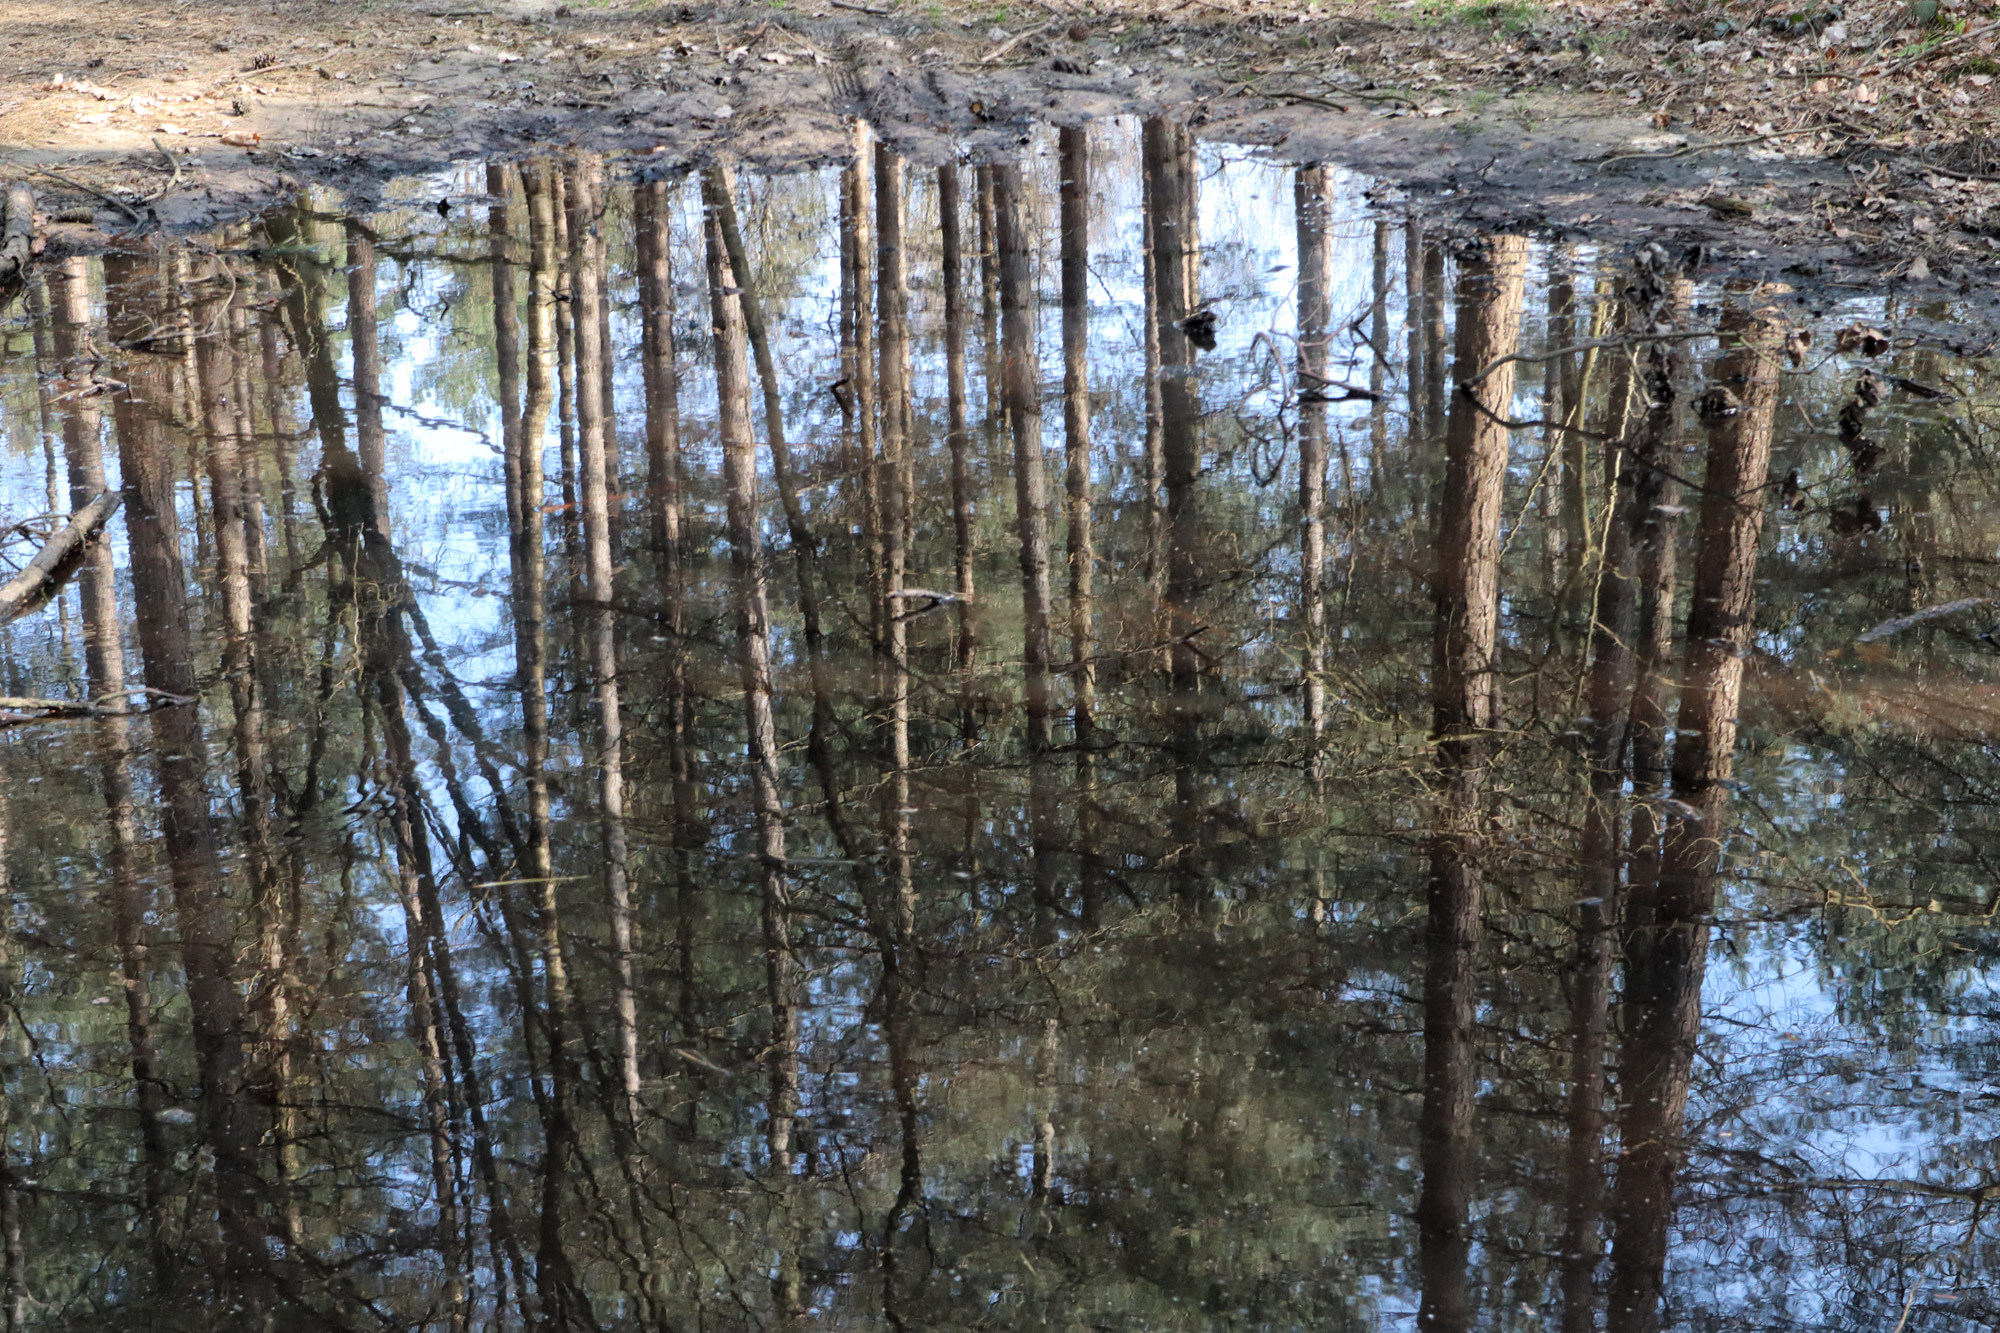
{"points": [[44, 574]]}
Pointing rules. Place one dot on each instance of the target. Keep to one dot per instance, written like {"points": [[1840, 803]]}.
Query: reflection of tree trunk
{"points": [[1655, 529], [1076, 419], [898, 1017], [1154, 456], [14, 1287], [598, 468], [370, 442], [1668, 943], [958, 439], [282, 424], [104, 670], [1021, 386], [506, 335], [753, 632], [1466, 587], [223, 393], [1434, 363], [1466, 592], [1021, 381], [1607, 697], [893, 304], [989, 317], [1168, 157], [1075, 242], [1565, 483], [230, 1122], [1170, 170], [1413, 323], [566, 371], [855, 208], [653, 202], [1378, 352], [1315, 243], [562, 1298]]}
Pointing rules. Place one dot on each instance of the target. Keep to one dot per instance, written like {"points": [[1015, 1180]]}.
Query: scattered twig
{"points": [[173, 183], [1691, 149], [1315, 99], [876, 10], [1013, 42], [113, 200], [1927, 54]]}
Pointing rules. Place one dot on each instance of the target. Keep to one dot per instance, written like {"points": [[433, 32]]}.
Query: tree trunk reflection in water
{"points": [[381, 598], [1607, 698], [223, 386], [958, 440], [1656, 463], [893, 305], [562, 1299], [1315, 241], [1075, 242], [1667, 942], [1174, 246], [1021, 378], [753, 655], [597, 462], [668, 485], [104, 673], [230, 1124], [1466, 593], [1075, 203]]}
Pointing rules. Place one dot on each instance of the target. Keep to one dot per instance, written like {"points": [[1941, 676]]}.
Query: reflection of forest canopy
{"points": [[672, 871]]}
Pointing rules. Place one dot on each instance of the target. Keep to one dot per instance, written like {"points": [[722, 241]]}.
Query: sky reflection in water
{"points": [[847, 913]]}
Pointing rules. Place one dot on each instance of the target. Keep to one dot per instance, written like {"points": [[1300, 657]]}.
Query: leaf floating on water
{"points": [[1901, 623]]}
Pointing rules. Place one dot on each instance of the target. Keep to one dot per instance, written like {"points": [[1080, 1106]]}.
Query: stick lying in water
{"points": [[1901, 623], [28, 589]]}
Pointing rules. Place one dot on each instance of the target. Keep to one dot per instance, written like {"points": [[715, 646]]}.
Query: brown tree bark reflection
{"points": [[958, 440], [1076, 201], [1172, 207], [753, 655], [1466, 594], [1667, 945], [563, 1301], [598, 472], [230, 1123], [104, 672], [1315, 243], [1021, 387], [668, 502]]}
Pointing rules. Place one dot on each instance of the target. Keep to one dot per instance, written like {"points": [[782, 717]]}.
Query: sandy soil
{"points": [[1832, 155]]}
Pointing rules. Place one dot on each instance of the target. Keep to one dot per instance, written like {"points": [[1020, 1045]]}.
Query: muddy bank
{"points": [[1576, 123]]}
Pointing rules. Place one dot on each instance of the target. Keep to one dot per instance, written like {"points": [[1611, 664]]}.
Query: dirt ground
{"points": [[1834, 149]]}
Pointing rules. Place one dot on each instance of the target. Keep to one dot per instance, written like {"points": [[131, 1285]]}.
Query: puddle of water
{"points": [[1015, 746]]}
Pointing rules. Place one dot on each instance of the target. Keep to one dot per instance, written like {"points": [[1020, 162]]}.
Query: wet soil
{"points": [[1604, 122]]}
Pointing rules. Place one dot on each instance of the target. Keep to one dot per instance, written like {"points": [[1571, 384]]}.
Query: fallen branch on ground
{"points": [[31, 586], [111, 199], [1690, 149]]}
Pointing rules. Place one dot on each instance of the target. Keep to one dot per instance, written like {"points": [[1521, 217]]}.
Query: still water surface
{"points": [[1058, 744]]}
